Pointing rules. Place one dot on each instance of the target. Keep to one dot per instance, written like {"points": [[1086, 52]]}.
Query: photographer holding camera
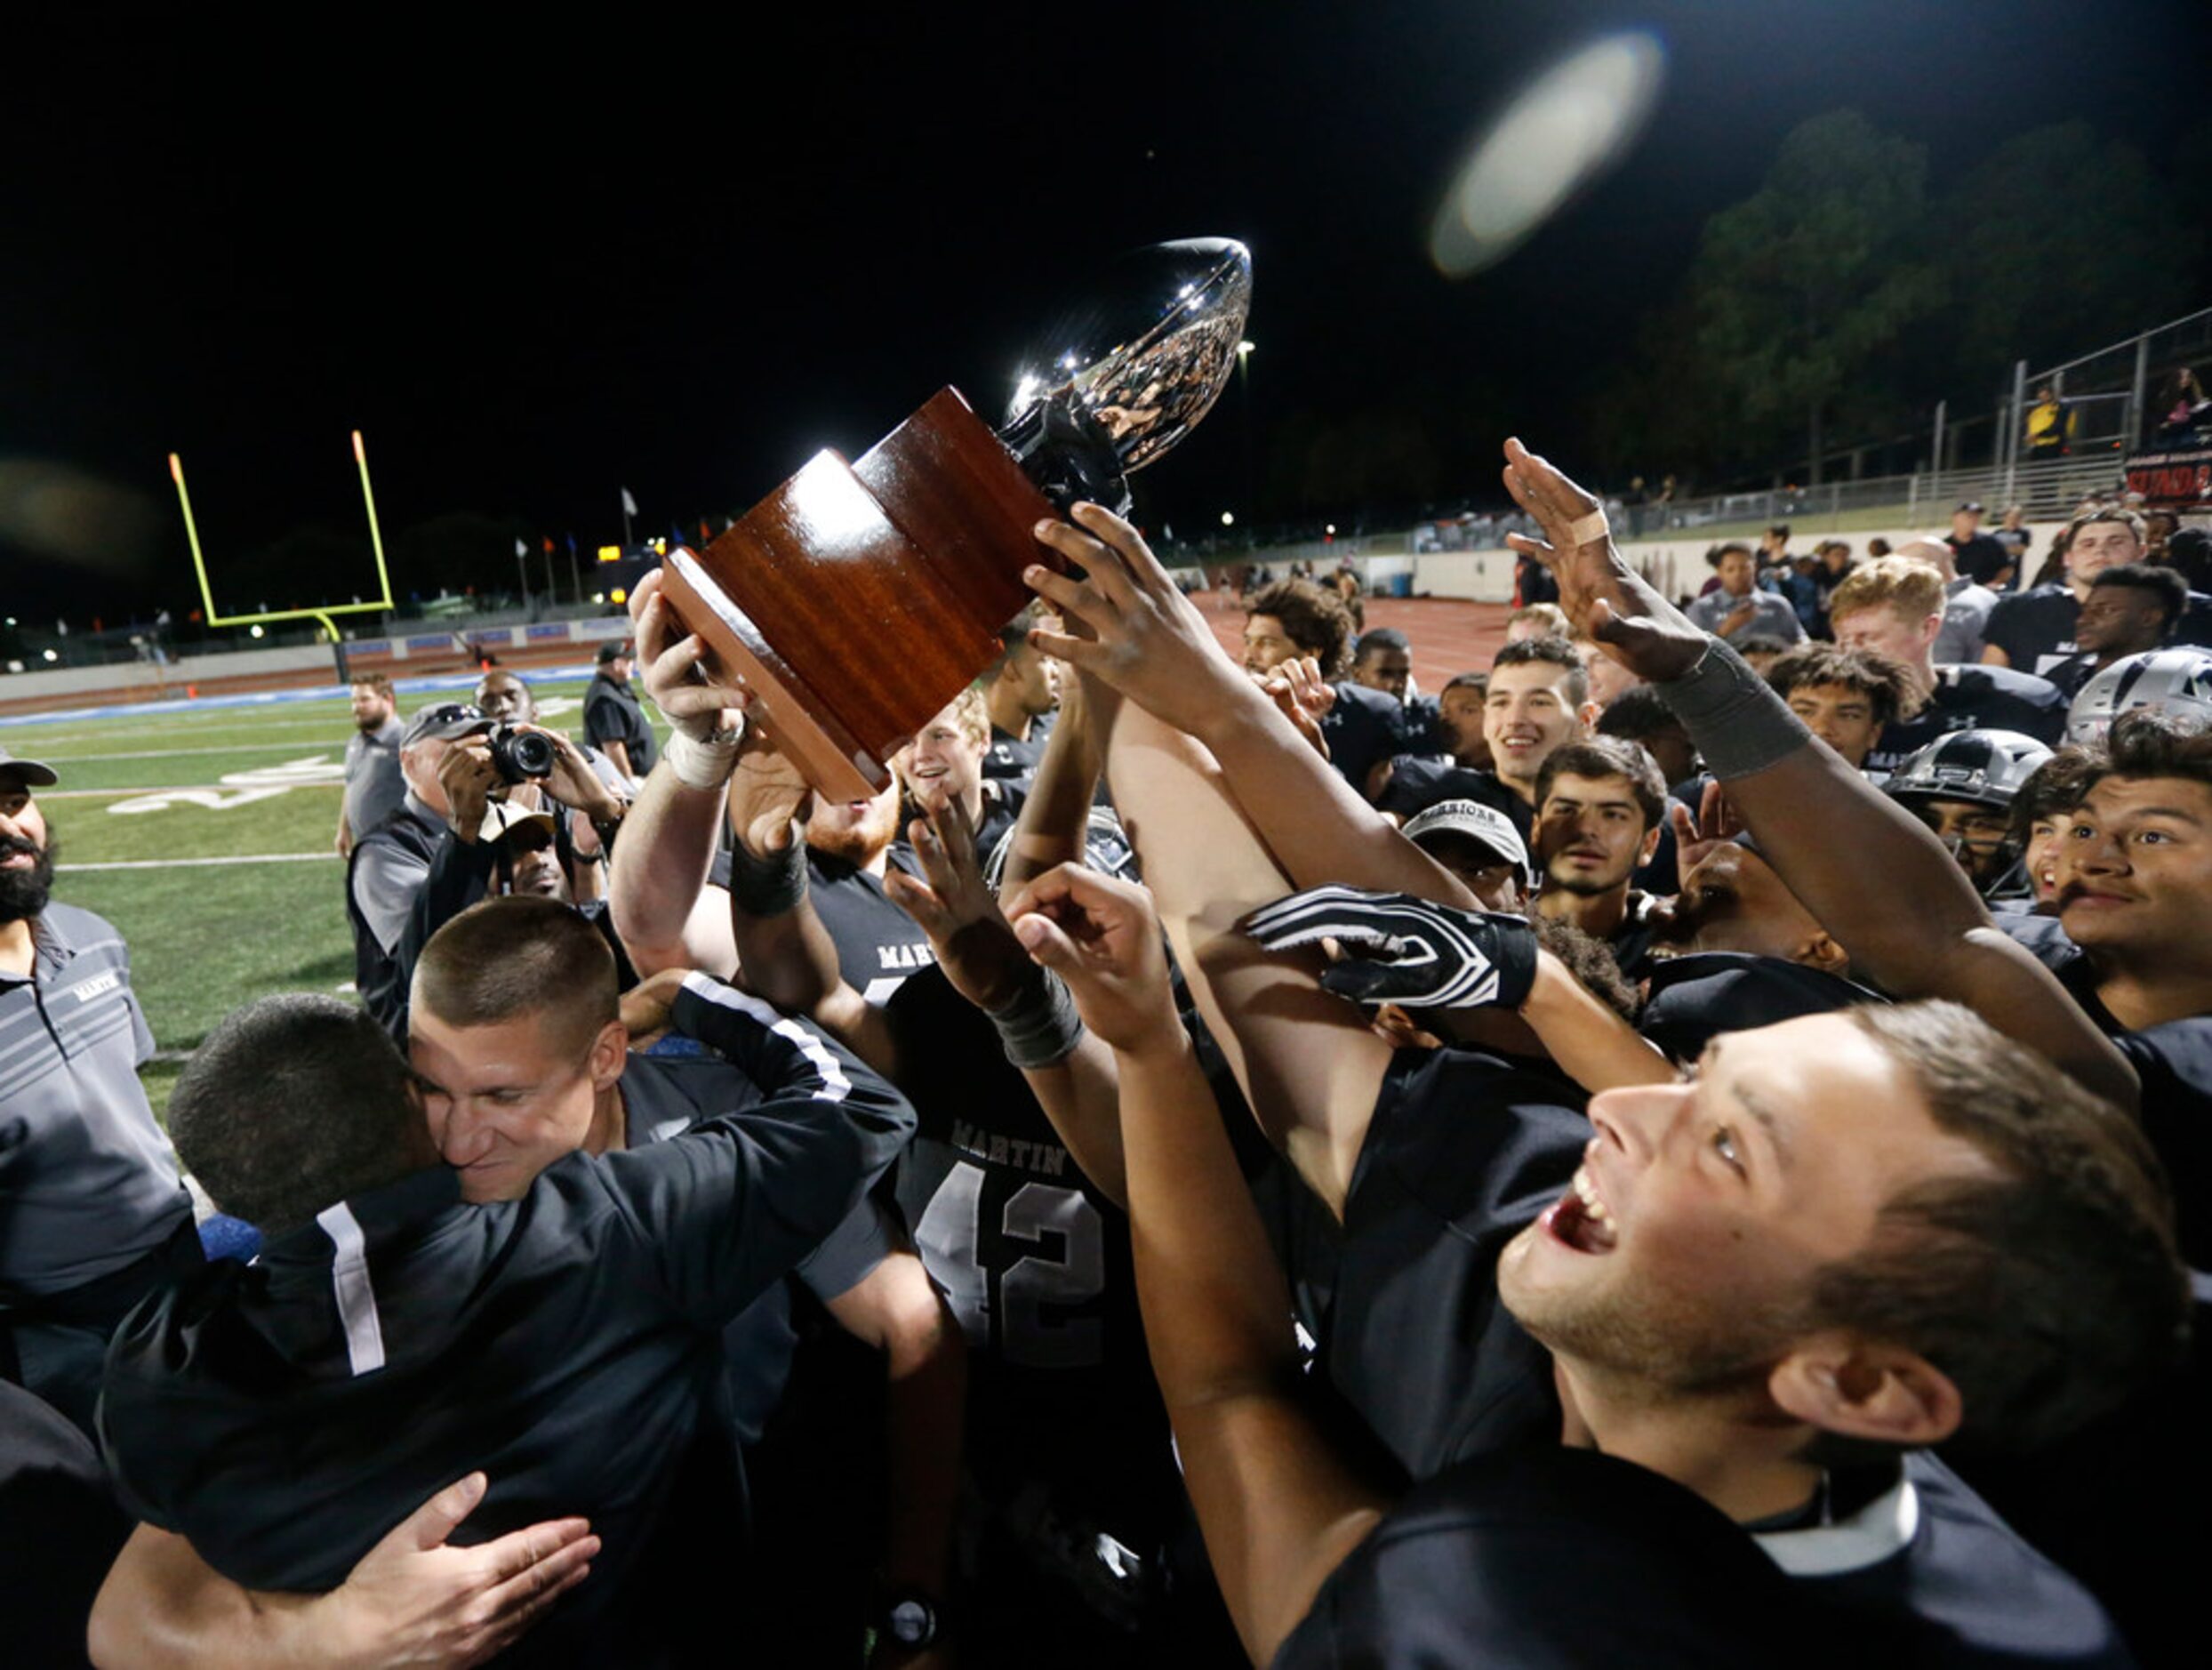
{"points": [[492, 807]]}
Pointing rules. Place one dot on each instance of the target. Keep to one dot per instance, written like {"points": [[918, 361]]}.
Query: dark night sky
{"points": [[536, 268]]}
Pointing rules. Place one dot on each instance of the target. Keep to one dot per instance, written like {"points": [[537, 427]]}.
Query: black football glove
{"points": [[1398, 949]]}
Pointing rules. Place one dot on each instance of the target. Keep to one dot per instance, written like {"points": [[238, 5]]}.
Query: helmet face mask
{"points": [[2175, 680], [1962, 787]]}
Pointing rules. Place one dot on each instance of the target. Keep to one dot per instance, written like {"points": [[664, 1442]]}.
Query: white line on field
{"points": [[189, 864], [187, 788], [58, 761]]}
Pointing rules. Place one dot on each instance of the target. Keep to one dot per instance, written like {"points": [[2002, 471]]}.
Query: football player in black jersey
{"points": [[1302, 1063], [1022, 691], [1895, 607], [2033, 630]]}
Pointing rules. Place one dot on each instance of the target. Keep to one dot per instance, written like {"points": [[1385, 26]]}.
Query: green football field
{"points": [[207, 839]]}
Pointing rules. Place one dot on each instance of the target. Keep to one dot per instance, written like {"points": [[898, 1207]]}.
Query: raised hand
{"points": [[469, 778], [1102, 936], [1715, 824], [675, 665], [1398, 949], [953, 905], [766, 793], [1297, 687], [1603, 597], [1149, 642], [573, 782]]}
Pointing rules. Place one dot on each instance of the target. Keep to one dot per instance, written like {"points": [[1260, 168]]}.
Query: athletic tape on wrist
{"points": [[1738, 723], [703, 765], [1588, 529], [769, 885], [1040, 1026]]}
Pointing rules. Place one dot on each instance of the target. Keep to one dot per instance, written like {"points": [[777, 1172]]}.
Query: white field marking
{"points": [[261, 784], [169, 753], [194, 864], [182, 789]]}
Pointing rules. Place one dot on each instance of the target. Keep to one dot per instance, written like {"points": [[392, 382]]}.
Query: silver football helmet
{"points": [[2177, 680]]}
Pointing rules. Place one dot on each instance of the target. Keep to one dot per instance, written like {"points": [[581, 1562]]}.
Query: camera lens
{"points": [[521, 756]]}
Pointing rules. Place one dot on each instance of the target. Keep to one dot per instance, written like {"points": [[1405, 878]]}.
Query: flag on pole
{"points": [[629, 505], [572, 545], [703, 535]]}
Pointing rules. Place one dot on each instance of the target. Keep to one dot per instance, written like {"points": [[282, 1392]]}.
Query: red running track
{"points": [[1449, 635]]}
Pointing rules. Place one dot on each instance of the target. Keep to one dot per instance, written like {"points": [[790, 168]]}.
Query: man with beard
{"points": [[374, 785], [1021, 693], [92, 1214], [1601, 806]]}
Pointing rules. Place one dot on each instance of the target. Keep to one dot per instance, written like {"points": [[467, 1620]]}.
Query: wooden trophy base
{"points": [[859, 598]]}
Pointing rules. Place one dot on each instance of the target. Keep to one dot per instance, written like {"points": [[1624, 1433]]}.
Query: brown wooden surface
{"points": [[875, 591]]}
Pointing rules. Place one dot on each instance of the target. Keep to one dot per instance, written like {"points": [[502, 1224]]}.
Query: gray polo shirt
{"points": [[1775, 618], [88, 1183], [375, 783], [388, 875]]}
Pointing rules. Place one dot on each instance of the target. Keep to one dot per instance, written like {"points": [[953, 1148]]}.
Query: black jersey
{"points": [[1691, 1000], [2035, 629], [59, 1530], [1971, 698], [1464, 1150], [1363, 728], [1416, 784], [1551, 1559], [878, 943], [1915, 1557], [1010, 758]]}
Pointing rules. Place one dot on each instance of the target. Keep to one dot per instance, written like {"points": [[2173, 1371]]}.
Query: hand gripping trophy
{"points": [[858, 597]]}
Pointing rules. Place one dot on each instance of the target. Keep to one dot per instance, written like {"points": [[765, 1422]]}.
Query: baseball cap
{"points": [[1973, 505], [501, 819], [34, 774], [613, 649], [1478, 823], [444, 721]]}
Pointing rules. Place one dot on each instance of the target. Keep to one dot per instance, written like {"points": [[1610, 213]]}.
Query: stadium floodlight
{"points": [[324, 614]]}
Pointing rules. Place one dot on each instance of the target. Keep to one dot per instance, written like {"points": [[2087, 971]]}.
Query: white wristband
{"points": [[1590, 529], [705, 766]]}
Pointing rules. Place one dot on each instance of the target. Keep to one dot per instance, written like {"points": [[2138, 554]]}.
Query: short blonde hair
{"points": [[1913, 587]]}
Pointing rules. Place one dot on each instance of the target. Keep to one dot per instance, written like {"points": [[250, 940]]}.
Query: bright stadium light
{"points": [[1573, 123], [1229, 519]]}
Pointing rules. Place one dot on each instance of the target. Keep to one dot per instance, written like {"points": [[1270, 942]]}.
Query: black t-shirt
{"points": [[1981, 558], [1416, 784], [878, 943], [1363, 728], [1464, 1150], [2035, 629], [1691, 1000], [1971, 698], [614, 714], [1545, 1558], [1010, 758]]}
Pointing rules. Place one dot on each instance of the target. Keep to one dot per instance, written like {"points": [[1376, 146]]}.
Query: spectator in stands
{"points": [[1877, 547], [2033, 630], [2130, 608], [1021, 692], [1535, 620], [614, 722], [1845, 697], [1384, 661], [1737, 607], [1600, 808], [2188, 413], [375, 784], [1977, 557], [1831, 564], [1774, 550], [1893, 606], [2050, 424], [2013, 533]]}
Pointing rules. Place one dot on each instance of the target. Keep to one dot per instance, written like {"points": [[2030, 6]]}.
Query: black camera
{"points": [[521, 756]]}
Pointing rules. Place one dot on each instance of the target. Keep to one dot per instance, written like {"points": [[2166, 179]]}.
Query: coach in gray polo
{"points": [[92, 1214]]}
